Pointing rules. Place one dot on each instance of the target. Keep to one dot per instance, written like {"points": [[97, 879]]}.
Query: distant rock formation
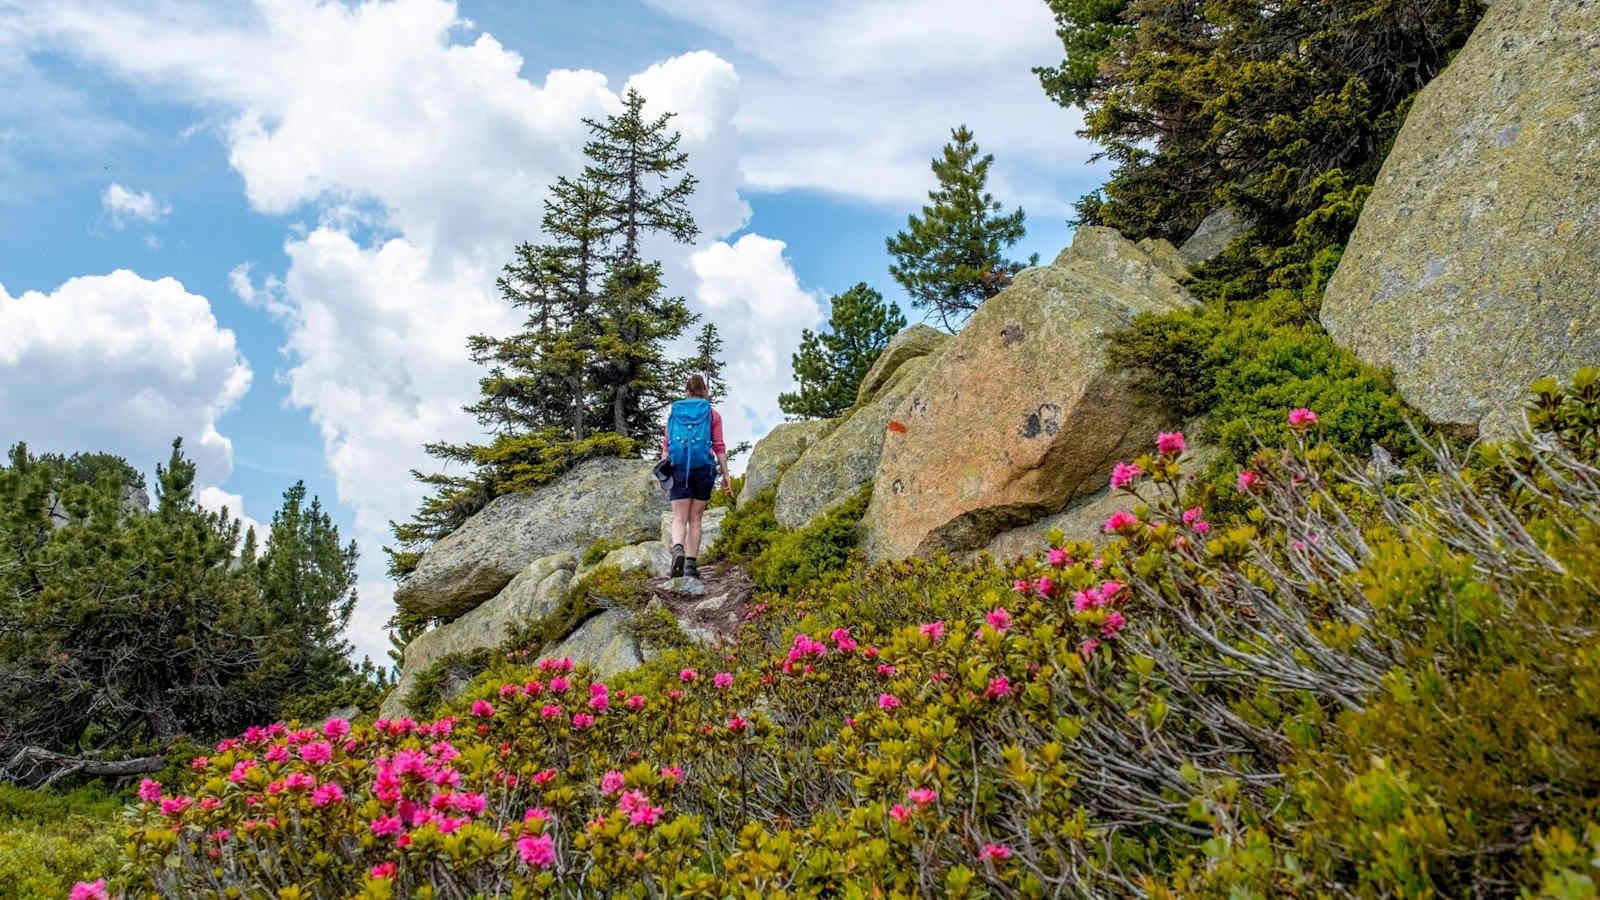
{"points": [[1213, 235], [1474, 269], [777, 451], [1019, 414]]}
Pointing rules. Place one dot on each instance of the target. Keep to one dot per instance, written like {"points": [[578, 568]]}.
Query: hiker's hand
{"points": [[727, 486]]}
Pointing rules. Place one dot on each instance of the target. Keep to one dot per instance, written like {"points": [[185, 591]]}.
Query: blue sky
{"points": [[268, 226]]}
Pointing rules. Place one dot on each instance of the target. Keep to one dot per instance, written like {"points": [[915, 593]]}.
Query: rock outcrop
{"points": [[777, 451], [602, 642], [534, 593], [1214, 233], [1474, 268], [918, 340], [601, 498], [1019, 414], [834, 468]]}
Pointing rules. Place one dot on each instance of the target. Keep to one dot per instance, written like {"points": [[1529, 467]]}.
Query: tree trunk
{"points": [[38, 767]]}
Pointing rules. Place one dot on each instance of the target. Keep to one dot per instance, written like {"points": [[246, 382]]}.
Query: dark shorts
{"points": [[696, 487]]}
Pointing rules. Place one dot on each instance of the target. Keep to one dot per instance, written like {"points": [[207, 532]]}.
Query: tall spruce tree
{"points": [[589, 372], [829, 365], [707, 361], [950, 259]]}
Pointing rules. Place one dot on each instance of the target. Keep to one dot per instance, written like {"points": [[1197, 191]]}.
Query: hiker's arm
{"points": [[663, 441], [720, 450]]}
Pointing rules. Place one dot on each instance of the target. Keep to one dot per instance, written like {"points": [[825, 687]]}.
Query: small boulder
{"points": [[1021, 413], [651, 557], [1213, 235], [834, 468], [603, 642], [600, 498], [918, 340], [777, 450]]}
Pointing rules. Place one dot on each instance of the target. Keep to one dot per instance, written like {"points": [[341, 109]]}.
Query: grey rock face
{"points": [[1474, 269], [918, 340], [1214, 233], [601, 642], [601, 498], [777, 450], [834, 468], [534, 593]]}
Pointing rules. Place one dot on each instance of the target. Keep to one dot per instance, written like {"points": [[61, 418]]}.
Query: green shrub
{"points": [[597, 551], [727, 499], [821, 548], [50, 840], [747, 530], [432, 683]]}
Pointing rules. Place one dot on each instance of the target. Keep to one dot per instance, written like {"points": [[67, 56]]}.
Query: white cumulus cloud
{"points": [[122, 204], [121, 364]]}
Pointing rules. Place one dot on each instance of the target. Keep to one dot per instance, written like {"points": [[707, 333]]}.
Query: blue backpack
{"points": [[689, 437]]}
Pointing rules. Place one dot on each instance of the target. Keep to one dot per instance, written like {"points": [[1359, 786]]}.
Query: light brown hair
{"points": [[697, 386]]}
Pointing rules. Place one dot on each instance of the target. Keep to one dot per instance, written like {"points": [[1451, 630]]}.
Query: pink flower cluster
{"points": [[639, 810]]}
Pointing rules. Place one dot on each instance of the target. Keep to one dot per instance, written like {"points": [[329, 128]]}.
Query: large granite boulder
{"points": [[1020, 413], [777, 451], [918, 340], [1474, 269], [600, 498], [834, 468], [534, 593]]}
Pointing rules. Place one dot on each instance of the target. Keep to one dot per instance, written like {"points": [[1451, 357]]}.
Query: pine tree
{"points": [[589, 372], [707, 361], [830, 365], [627, 155], [950, 258]]}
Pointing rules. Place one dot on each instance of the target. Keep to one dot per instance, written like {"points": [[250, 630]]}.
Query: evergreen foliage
{"points": [[830, 365], [1249, 103], [950, 258], [121, 627]]}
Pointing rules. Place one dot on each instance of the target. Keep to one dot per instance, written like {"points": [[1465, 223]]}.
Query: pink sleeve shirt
{"points": [[717, 446]]}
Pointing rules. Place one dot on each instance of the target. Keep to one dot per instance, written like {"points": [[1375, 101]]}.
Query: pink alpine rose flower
{"points": [[382, 870], [687, 675], [888, 701], [611, 782], [1302, 418], [635, 702], [537, 851], [994, 851], [326, 794], [1058, 557], [899, 813], [934, 630], [722, 679], [149, 791], [1247, 480], [317, 753], [1000, 618], [582, 720], [1123, 475], [922, 796], [89, 890], [1119, 520], [1170, 443]]}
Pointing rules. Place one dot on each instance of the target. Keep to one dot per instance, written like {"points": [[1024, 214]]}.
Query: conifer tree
{"points": [[707, 361], [589, 372], [829, 365], [950, 259]]}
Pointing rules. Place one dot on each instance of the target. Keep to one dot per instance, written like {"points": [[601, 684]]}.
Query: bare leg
{"points": [[691, 539], [680, 522]]}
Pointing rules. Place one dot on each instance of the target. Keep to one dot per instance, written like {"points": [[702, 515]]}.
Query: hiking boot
{"points": [[691, 568], [677, 561]]}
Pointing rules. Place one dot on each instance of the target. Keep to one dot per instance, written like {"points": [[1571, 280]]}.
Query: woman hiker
{"points": [[693, 442]]}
